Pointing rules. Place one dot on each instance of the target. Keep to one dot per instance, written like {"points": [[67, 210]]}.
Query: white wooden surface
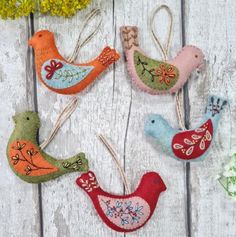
{"points": [[113, 107]]}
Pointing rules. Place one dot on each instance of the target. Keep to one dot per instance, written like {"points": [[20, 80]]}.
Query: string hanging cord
{"points": [[179, 108], [71, 106], [115, 158], [63, 116], [165, 52], [94, 13]]}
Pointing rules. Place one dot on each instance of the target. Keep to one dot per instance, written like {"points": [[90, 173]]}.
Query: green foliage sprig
{"points": [[18, 8]]}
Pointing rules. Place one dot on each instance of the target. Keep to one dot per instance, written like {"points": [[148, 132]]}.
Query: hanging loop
{"points": [[63, 116], [180, 108], [164, 49], [115, 158], [94, 13]]}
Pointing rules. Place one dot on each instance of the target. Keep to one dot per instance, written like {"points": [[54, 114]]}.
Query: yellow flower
{"points": [[18, 8], [64, 8]]}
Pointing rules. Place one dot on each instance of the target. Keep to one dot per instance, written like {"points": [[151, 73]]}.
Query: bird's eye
{"points": [[196, 56], [28, 118], [40, 35], [153, 121]]}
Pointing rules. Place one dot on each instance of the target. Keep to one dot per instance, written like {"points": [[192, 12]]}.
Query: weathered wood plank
{"points": [[139, 155], [18, 200], [211, 25], [67, 210]]}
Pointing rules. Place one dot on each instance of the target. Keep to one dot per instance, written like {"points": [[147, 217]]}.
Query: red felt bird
{"points": [[125, 213]]}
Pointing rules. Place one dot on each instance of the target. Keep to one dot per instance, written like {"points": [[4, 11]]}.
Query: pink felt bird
{"points": [[157, 77]]}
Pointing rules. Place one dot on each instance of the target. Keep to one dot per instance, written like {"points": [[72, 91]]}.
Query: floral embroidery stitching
{"points": [[54, 66], [165, 73], [20, 157], [89, 184], [196, 142], [127, 212]]}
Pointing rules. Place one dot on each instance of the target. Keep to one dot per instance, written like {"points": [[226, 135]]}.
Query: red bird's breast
{"points": [[128, 214], [192, 144]]}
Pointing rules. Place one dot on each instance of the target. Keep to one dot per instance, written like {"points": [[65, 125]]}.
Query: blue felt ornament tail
{"points": [[215, 106]]}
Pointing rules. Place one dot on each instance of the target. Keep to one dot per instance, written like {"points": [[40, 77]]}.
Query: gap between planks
{"points": [[187, 167], [31, 31]]}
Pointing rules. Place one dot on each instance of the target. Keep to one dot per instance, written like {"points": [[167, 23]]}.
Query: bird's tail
{"points": [[108, 56], [88, 181], [76, 163], [215, 105], [129, 36]]}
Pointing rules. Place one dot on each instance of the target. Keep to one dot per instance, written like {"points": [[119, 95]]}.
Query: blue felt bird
{"points": [[189, 145]]}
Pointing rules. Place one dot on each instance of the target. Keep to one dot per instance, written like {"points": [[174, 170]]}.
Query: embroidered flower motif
{"points": [[28, 169], [165, 73], [127, 212], [19, 146], [54, 66], [15, 159], [31, 152]]}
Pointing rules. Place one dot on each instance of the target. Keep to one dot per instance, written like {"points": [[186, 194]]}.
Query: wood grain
{"points": [[19, 213], [211, 26], [116, 108]]}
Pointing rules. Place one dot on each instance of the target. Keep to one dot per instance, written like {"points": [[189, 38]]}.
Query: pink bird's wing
{"points": [[128, 213], [192, 144]]}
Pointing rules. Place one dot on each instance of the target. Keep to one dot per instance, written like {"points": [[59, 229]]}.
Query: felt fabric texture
{"points": [[228, 178], [158, 77], [28, 161], [189, 145], [125, 213], [61, 76]]}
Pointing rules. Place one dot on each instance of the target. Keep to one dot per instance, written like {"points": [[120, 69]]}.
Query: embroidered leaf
{"points": [[190, 150], [188, 142], [202, 144], [88, 182], [208, 136], [196, 137], [198, 130], [177, 146]]}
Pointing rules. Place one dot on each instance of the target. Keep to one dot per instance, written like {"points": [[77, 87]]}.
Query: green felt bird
{"points": [[29, 161]]}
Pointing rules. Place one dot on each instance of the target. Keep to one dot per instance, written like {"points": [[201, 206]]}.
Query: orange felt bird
{"points": [[61, 76]]}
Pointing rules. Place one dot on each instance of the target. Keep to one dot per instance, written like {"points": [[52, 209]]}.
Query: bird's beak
{"points": [[202, 65], [30, 42]]}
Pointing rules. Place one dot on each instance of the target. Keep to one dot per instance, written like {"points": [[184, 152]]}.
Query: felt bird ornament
{"points": [[189, 145], [155, 76], [61, 76], [125, 213], [26, 158]]}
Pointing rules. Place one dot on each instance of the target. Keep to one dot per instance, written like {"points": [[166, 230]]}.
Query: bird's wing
{"points": [[26, 159], [157, 75], [192, 144], [59, 74], [128, 213]]}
